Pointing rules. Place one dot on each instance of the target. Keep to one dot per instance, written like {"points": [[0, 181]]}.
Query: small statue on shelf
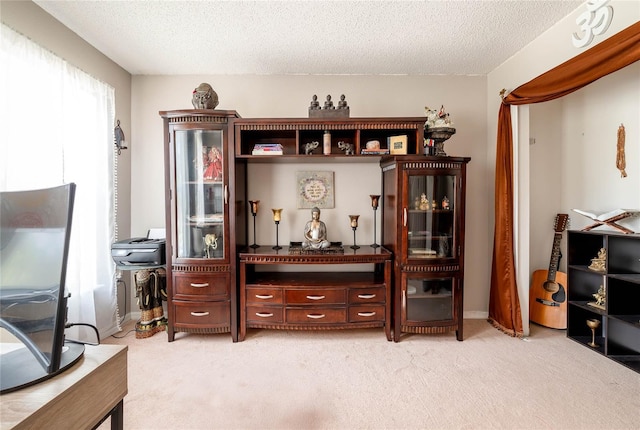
{"points": [[346, 147], [204, 97], [598, 263], [210, 244], [315, 232], [315, 104], [328, 104], [213, 165], [424, 202], [310, 146], [342, 104], [601, 298], [328, 110]]}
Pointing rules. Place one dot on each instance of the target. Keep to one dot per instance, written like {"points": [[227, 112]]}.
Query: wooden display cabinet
{"points": [[294, 133], [423, 216], [618, 333], [201, 222]]}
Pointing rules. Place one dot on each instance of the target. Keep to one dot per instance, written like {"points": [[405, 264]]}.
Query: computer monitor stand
{"points": [[20, 368]]}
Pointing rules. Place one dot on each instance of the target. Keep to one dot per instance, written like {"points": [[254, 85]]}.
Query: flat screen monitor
{"points": [[34, 244]]}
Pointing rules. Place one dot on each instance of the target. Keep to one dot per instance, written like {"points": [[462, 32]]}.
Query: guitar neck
{"points": [[555, 257]]}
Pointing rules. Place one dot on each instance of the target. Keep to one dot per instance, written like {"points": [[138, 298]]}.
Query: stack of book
{"points": [[379, 151], [267, 149]]}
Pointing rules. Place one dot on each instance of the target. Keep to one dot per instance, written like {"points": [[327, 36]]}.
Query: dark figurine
{"points": [[314, 103], [204, 97], [328, 104], [342, 104]]}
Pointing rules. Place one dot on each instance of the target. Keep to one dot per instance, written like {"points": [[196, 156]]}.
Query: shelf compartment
{"points": [[577, 316], [623, 255], [623, 298], [622, 338], [583, 284], [590, 243], [294, 133], [634, 320]]}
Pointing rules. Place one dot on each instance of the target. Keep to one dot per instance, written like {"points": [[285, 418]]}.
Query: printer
{"points": [[138, 251]]}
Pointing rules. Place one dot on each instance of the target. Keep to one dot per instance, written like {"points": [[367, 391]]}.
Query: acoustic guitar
{"points": [[548, 293]]}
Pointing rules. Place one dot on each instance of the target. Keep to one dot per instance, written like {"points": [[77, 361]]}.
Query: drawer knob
{"points": [[366, 314], [202, 285], [315, 297], [264, 296], [200, 314], [315, 316], [366, 296], [264, 315]]}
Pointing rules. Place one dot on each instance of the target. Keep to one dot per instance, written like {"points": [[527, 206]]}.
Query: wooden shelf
{"points": [[294, 133], [618, 336]]}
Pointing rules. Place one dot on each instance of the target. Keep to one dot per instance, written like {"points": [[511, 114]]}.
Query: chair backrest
{"points": [[34, 245]]}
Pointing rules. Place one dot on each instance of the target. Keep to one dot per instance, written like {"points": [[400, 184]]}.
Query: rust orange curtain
{"points": [[611, 55]]}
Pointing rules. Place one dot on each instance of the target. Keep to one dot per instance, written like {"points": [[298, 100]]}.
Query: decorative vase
{"points": [[439, 135]]}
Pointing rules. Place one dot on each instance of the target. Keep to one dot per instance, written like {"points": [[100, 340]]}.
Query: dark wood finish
{"points": [[439, 272], [314, 300], [618, 336], [202, 292], [294, 133]]}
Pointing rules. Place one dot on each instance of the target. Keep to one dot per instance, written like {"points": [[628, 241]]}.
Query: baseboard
{"points": [[475, 315]]}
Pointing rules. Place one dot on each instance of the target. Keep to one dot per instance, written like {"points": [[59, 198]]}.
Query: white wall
{"points": [[273, 184], [582, 172]]}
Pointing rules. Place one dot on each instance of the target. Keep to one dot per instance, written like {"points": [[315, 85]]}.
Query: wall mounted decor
{"points": [[315, 189]]}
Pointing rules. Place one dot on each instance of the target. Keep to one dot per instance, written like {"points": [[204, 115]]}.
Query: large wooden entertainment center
{"points": [[217, 283]]}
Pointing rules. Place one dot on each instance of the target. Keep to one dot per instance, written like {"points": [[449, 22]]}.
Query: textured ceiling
{"points": [[309, 37]]}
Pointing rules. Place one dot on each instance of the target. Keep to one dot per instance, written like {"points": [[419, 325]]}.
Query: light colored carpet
{"points": [[359, 380]]}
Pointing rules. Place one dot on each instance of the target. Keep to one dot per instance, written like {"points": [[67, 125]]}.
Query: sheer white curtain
{"points": [[57, 127]]}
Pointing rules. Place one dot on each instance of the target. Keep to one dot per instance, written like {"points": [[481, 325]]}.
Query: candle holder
{"points": [[254, 211], [374, 204], [593, 324], [277, 213], [354, 226]]}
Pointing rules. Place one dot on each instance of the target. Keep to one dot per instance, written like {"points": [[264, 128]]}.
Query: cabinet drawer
{"points": [[316, 296], [202, 314], [265, 314], [366, 313], [200, 286], [367, 295], [316, 315], [264, 295]]}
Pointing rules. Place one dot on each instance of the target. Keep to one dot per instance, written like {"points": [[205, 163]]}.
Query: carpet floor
{"points": [[358, 380]]}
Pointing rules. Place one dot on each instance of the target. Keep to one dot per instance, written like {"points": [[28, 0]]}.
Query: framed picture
{"points": [[315, 189], [398, 144]]}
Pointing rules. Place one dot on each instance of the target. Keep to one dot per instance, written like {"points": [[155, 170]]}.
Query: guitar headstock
{"points": [[561, 222]]}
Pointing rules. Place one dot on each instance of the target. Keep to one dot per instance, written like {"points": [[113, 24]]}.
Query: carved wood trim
{"points": [[202, 330], [198, 119], [439, 268], [187, 268]]}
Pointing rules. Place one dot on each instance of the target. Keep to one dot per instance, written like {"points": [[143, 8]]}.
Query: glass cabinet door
{"points": [[200, 194], [429, 299], [430, 216]]}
